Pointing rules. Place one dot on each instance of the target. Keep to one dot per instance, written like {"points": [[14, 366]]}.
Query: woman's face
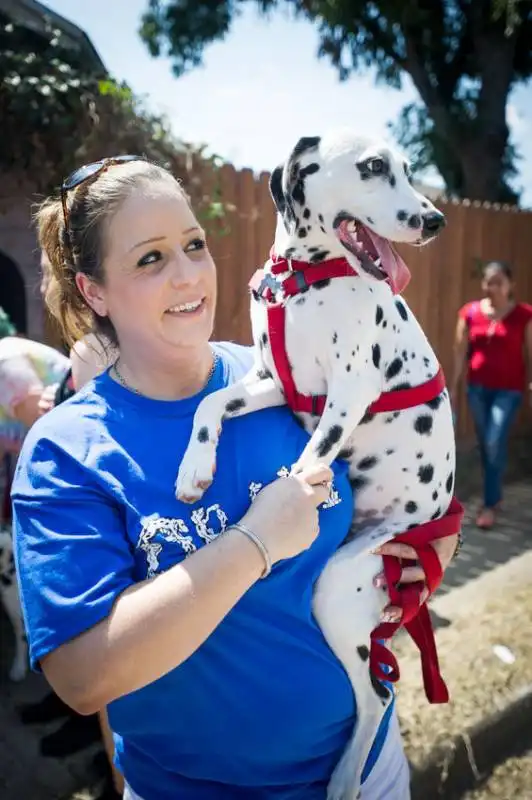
{"points": [[496, 285], [160, 279]]}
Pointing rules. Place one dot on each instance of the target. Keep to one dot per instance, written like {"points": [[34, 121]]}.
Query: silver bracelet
{"points": [[257, 541]]}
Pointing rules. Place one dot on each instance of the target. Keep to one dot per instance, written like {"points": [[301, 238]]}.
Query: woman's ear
{"points": [[93, 293]]}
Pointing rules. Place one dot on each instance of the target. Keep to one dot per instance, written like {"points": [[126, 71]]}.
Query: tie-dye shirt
{"points": [[25, 365]]}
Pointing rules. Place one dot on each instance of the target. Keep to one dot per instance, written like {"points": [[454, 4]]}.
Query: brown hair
{"points": [[91, 208]]}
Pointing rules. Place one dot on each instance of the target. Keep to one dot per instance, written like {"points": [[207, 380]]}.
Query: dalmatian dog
{"points": [[11, 603], [351, 339]]}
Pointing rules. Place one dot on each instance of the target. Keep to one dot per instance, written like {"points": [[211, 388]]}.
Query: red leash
{"points": [[416, 618]]}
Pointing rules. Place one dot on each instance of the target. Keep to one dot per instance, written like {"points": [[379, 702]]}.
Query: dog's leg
{"points": [[348, 397], [11, 602], [199, 462], [347, 607]]}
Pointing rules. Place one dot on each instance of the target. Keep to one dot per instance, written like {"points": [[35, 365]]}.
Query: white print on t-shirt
{"points": [[206, 523]]}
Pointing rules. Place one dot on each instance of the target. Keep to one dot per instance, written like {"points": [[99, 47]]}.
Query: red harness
{"points": [[415, 618]]}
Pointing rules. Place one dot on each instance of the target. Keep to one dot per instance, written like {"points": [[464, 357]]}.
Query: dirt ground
{"points": [[479, 681], [511, 780]]}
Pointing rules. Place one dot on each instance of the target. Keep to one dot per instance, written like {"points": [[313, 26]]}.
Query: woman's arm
{"points": [[528, 358], [156, 625], [459, 352]]}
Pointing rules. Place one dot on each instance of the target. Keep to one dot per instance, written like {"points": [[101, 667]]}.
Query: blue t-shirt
{"points": [[263, 709]]}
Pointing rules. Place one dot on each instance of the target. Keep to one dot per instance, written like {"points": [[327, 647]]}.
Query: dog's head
{"points": [[355, 192]]}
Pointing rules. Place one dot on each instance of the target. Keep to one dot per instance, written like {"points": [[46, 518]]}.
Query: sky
{"points": [[261, 88]]}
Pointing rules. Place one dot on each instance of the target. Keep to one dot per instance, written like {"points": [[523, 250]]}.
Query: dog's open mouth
{"points": [[375, 254]]}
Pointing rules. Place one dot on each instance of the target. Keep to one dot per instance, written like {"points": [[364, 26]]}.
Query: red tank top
{"points": [[496, 354]]}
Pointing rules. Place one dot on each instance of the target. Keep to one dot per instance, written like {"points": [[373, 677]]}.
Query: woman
{"points": [[219, 684], [494, 338]]}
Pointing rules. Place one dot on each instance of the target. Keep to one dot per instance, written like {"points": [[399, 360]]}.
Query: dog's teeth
{"points": [[378, 262]]}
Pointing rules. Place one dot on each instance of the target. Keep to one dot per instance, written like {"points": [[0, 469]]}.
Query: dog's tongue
{"points": [[391, 263]]}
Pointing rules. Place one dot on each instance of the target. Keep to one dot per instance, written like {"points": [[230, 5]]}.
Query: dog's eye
{"points": [[376, 166]]}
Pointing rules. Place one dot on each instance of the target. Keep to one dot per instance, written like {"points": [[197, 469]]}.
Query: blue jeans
{"points": [[493, 412]]}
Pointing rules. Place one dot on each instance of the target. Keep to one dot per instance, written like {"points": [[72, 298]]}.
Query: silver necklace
{"points": [[131, 388]]}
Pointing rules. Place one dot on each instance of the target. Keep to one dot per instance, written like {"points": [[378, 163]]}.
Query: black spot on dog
{"points": [[322, 284], [368, 417], [313, 249], [332, 437], [449, 483], [426, 361], [399, 387], [434, 495], [370, 220], [331, 404], [335, 337], [302, 232], [419, 455], [264, 338], [402, 216], [437, 514], [346, 453], [379, 688], [414, 221], [203, 435], [435, 403], [390, 452], [290, 252], [322, 229], [305, 144], [301, 301], [359, 482], [425, 473], [348, 367], [393, 181], [263, 374], [379, 315], [403, 313], [306, 213], [423, 425], [310, 169], [321, 255], [367, 463], [363, 652], [394, 368], [376, 355], [411, 507], [235, 405]]}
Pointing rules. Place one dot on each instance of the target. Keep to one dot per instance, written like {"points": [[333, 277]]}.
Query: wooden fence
{"points": [[445, 274]]}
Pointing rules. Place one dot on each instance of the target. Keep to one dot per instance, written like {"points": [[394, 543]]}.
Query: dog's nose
{"points": [[433, 223]]}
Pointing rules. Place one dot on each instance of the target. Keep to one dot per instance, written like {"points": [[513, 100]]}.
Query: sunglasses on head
{"points": [[88, 171]]}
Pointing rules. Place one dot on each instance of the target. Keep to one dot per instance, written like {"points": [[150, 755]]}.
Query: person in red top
{"points": [[494, 338]]}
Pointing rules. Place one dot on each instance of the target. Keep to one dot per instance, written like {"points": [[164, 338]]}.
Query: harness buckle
{"points": [[301, 281], [269, 282]]}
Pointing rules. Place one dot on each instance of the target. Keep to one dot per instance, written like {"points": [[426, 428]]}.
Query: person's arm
{"points": [[528, 357], [95, 632], [459, 356], [20, 389]]}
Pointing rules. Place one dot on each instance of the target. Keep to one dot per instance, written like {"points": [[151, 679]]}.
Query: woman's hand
{"points": [[445, 549], [285, 513]]}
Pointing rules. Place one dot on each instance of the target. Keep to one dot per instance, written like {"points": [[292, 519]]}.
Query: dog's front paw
{"points": [[196, 473]]}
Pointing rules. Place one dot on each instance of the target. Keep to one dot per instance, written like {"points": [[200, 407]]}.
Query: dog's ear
{"points": [[287, 182], [276, 189]]}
